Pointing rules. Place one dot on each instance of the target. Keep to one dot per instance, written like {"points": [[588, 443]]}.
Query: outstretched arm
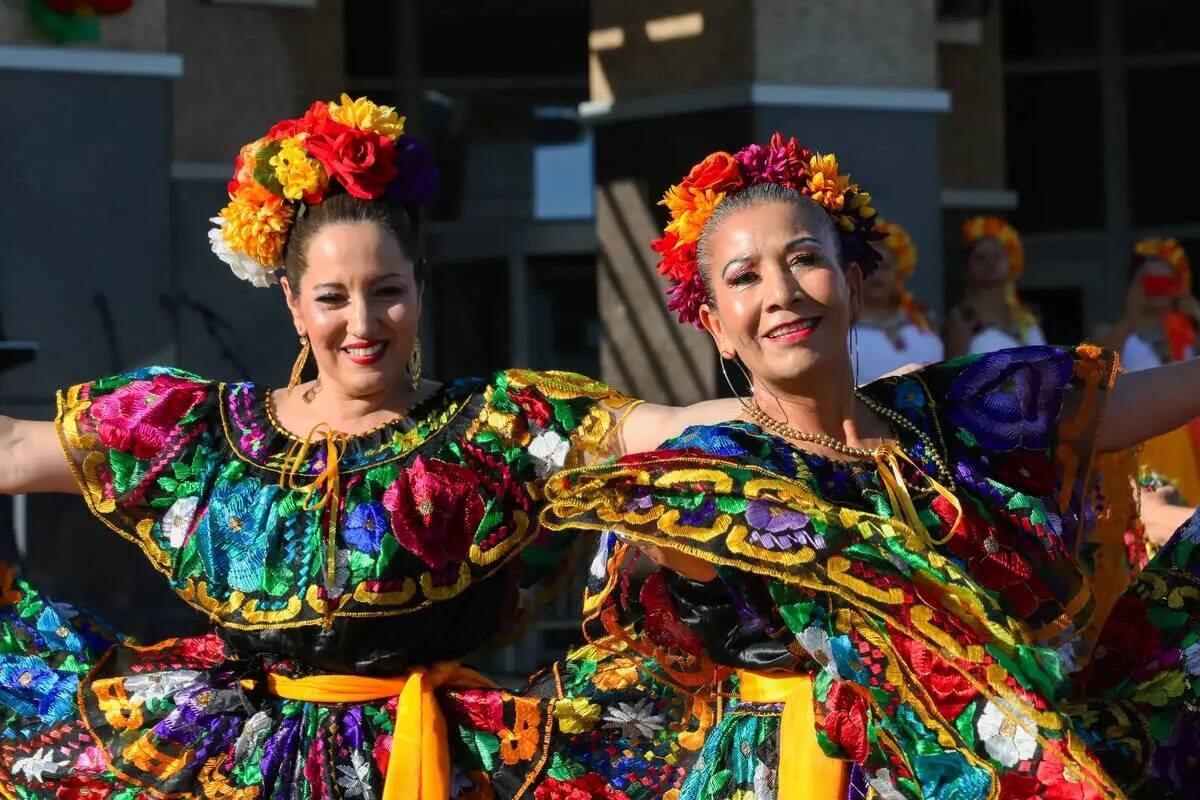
{"points": [[1149, 403], [31, 459]]}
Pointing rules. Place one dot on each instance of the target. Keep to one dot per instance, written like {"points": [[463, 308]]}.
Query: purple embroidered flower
{"points": [[776, 528], [641, 499], [1011, 398], [365, 527], [699, 517]]}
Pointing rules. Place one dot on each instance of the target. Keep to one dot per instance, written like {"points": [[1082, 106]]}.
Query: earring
{"points": [[414, 367], [854, 344], [298, 367]]}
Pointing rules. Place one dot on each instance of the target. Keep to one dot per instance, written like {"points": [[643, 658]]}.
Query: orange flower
{"points": [[718, 171], [521, 743], [690, 209], [256, 223], [901, 246]]}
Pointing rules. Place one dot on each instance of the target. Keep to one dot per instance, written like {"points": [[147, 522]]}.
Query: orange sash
{"points": [[419, 765], [804, 769]]}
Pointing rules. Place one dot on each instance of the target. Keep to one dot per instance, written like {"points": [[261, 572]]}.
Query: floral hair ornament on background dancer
{"points": [[986, 227], [904, 256], [352, 146], [721, 175], [1181, 328]]}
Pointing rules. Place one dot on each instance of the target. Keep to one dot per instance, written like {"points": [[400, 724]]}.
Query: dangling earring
{"points": [[729, 383], [414, 367], [298, 367], [854, 344]]}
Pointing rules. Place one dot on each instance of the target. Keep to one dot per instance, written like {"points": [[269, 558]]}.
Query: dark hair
{"points": [[757, 195], [344, 207]]}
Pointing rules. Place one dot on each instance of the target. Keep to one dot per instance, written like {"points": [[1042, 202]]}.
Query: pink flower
{"points": [[686, 299], [141, 417]]}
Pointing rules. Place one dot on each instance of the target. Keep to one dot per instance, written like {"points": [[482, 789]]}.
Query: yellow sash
{"points": [[804, 769], [419, 765]]}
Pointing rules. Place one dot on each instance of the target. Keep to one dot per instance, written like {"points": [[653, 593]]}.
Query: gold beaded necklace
{"points": [[887, 457]]}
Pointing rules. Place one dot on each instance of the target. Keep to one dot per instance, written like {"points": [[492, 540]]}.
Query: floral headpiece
{"points": [[354, 146], [904, 255], [978, 228], [900, 245], [721, 175], [1171, 252]]}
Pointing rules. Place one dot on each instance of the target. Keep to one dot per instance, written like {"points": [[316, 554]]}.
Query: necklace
{"points": [[895, 419]]}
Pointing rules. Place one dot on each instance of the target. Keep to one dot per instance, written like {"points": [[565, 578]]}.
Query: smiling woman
{"points": [[927, 586], [352, 538]]}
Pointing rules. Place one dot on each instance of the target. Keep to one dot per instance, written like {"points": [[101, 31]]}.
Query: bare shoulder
{"points": [[651, 425]]}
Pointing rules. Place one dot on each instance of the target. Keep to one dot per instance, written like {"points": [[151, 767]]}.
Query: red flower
{"points": [[587, 787], [203, 651], [846, 721], [317, 114], [1062, 781], [664, 628], [362, 161], [950, 690], [435, 510], [77, 787], [678, 261], [140, 417], [480, 709], [537, 409], [719, 172], [1019, 787]]}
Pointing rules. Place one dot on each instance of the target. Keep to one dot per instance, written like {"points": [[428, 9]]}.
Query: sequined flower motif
{"points": [[634, 720], [34, 768], [435, 510], [881, 781], [1006, 735], [177, 522], [775, 527], [1011, 398], [152, 686]]}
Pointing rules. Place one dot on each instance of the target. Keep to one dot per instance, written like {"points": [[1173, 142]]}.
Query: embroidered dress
{"points": [[347, 578], [1023, 655]]}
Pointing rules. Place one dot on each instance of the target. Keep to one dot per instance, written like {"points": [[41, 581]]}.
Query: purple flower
{"points": [[365, 527], [776, 528], [698, 517], [641, 499], [1177, 759], [766, 164], [416, 175], [1011, 398]]}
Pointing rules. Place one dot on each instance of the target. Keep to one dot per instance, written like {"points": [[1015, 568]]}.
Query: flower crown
{"points": [[901, 246], [978, 228], [354, 146], [1170, 251], [721, 175]]}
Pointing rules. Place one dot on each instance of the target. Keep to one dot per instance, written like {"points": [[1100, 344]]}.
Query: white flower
{"points": [[599, 568], [816, 641], [1007, 734], [34, 768], [764, 782], [356, 778], [178, 520], [1191, 659], [159, 685], [549, 452], [253, 732], [634, 720], [243, 266], [882, 783]]}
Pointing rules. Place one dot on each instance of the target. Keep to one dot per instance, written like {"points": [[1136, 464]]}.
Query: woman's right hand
{"points": [[31, 459]]}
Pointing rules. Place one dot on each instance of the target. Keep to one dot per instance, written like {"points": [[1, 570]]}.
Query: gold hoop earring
{"points": [[414, 367], [301, 360]]}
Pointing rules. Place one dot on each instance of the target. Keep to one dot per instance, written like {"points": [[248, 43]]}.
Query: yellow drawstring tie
{"points": [[419, 764], [326, 486], [887, 461], [804, 769]]}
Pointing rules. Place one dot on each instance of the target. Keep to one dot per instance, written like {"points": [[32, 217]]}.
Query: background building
{"points": [[557, 124]]}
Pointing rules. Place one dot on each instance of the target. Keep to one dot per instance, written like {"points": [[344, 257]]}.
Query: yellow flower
{"points": [[827, 187], [256, 223], [297, 172], [690, 209], [366, 116], [576, 714]]}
